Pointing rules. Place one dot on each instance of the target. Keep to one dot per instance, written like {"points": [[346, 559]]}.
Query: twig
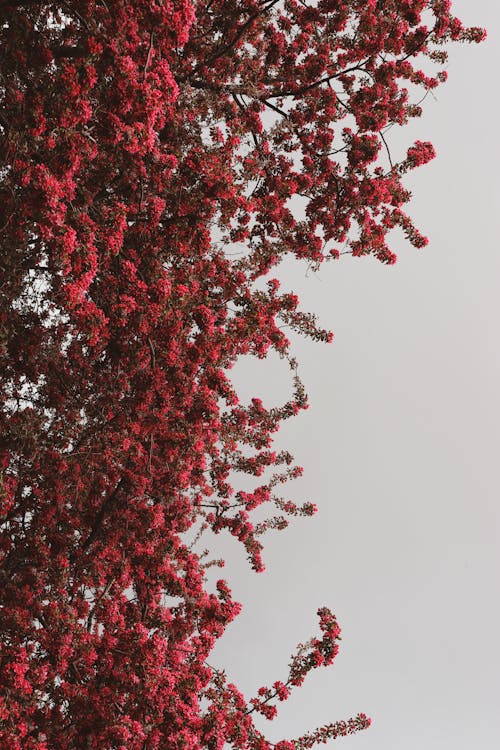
{"points": [[387, 149], [151, 448], [103, 593], [150, 52], [152, 350]]}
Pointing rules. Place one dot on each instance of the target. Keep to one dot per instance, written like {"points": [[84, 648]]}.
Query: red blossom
{"points": [[150, 152]]}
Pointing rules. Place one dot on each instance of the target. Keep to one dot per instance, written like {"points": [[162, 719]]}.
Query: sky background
{"points": [[400, 449]]}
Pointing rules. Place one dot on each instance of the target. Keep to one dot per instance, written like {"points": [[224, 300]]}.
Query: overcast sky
{"points": [[401, 453]]}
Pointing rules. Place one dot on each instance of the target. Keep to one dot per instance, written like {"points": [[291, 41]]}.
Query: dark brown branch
{"points": [[276, 109], [240, 33], [65, 51], [104, 510], [308, 86], [387, 149]]}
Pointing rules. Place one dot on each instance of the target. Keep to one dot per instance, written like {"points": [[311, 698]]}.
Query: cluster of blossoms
{"points": [[144, 200]]}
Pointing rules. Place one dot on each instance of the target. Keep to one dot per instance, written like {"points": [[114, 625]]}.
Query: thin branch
{"points": [[276, 109], [96, 527], [386, 148], [308, 86], [239, 34], [152, 350], [103, 593], [150, 53]]}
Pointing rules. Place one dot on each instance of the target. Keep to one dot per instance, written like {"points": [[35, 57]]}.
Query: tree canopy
{"points": [[158, 160]]}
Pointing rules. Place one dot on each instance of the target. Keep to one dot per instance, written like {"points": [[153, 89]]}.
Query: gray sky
{"points": [[400, 449]]}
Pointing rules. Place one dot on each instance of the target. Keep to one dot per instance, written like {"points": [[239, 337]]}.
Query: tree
{"points": [[150, 152]]}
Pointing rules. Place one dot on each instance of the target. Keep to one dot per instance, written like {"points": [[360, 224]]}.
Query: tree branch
{"points": [[96, 527], [308, 86]]}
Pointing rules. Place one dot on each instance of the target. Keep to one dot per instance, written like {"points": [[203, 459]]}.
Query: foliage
{"points": [[150, 151]]}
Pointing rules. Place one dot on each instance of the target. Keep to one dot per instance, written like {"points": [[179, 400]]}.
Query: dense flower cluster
{"points": [[149, 152]]}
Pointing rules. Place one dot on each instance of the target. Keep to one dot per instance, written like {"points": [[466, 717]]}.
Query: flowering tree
{"points": [[150, 151]]}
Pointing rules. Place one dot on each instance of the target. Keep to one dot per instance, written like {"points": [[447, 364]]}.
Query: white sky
{"points": [[400, 449]]}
